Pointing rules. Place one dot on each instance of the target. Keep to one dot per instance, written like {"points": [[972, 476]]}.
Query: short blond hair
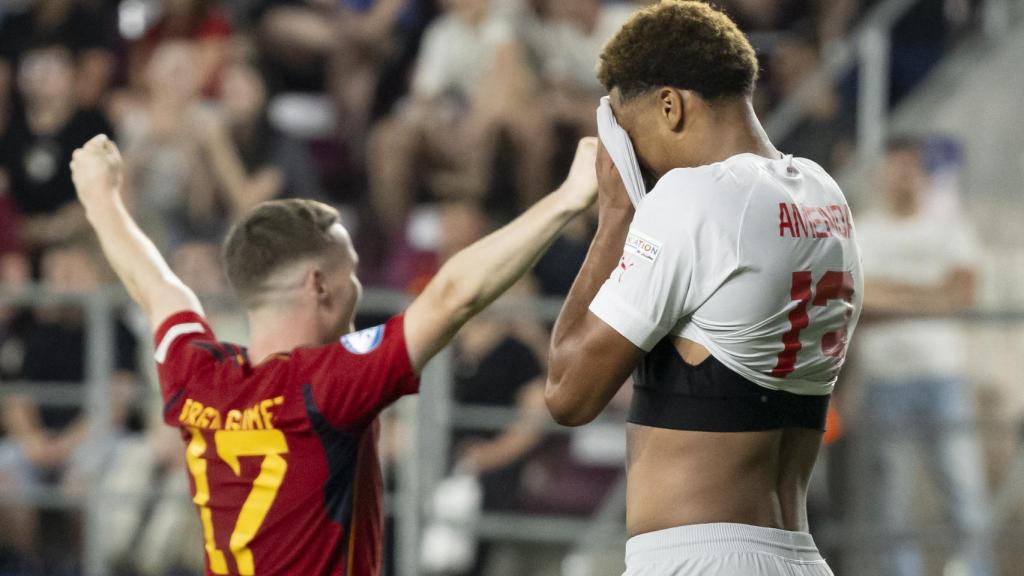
{"points": [[272, 235]]}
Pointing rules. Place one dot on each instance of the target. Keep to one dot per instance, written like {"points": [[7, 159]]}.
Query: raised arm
{"points": [[477, 275], [97, 171], [589, 361]]}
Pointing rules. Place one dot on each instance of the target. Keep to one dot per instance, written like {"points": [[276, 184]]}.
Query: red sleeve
{"points": [[353, 380], [184, 345]]}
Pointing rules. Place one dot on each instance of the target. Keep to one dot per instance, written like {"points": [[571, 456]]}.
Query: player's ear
{"points": [[318, 285], [672, 104]]}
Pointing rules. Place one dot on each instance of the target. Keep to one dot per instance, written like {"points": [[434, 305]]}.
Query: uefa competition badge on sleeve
{"points": [[363, 341]]}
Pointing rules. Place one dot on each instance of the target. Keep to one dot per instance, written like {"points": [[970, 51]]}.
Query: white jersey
{"points": [[753, 258]]}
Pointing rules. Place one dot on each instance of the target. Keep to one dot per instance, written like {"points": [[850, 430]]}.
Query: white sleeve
{"points": [[675, 257]]}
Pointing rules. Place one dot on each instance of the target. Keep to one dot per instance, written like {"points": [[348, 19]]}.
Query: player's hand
{"points": [[581, 184], [612, 195], [97, 170]]}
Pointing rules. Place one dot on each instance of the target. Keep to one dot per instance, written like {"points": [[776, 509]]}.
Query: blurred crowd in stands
{"points": [[428, 122]]}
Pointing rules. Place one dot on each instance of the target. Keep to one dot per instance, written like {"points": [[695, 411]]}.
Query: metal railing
{"points": [[99, 369], [432, 417], [868, 49]]}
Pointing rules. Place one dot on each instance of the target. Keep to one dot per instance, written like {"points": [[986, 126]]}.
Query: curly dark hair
{"points": [[680, 43]]}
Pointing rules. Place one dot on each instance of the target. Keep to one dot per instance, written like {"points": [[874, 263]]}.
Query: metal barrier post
{"points": [[874, 49], [434, 438], [997, 15], [407, 513], [607, 526], [429, 421], [839, 59], [99, 347]]}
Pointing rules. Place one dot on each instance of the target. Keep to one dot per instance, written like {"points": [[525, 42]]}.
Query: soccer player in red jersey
{"points": [[282, 437]]}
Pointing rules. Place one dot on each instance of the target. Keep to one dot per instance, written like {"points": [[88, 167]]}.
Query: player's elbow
{"points": [[565, 407], [568, 414]]}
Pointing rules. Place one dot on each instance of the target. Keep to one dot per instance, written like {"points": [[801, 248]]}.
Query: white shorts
{"points": [[724, 550]]}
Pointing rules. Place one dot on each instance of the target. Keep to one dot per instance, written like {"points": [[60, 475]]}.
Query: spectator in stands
{"points": [[84, 28], [15, 275], [496, 364], [46, 444], [266, 154], [825, 132], [35, 150], [496, 368], [10, 220], [6, 94], [198, 21], [768, 15], [341, 46], [168, 179], [184, 173], [830, 20], [919, 41], [920, 266], [199, 264], [472, 90], [568, 40]]}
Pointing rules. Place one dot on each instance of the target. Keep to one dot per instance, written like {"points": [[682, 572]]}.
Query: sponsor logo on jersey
{"points": [[643, 246], [364, 341]]}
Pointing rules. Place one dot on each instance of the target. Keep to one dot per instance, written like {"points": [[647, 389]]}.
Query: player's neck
{"points": [[279, 329], [731, 132]]}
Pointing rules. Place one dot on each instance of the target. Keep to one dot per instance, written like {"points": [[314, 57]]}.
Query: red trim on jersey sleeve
{"points": [[183, 317], [177, 362], [353, 380]]}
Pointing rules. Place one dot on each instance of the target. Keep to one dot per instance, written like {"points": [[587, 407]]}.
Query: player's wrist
{"points": [[101, 204], [574, 198], [612, 217]]}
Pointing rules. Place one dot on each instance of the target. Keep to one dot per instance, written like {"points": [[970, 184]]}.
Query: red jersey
{"points": [[282, 455]]}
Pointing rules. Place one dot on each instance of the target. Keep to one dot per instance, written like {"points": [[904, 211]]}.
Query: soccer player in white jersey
{"points": [[732, 303]]}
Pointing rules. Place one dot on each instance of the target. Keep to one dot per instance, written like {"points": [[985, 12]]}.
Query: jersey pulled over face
{"points": [[755, 259], [282, 456]]}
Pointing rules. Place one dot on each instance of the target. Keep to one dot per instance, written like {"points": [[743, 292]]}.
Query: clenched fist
{"points": [[97, 170]]}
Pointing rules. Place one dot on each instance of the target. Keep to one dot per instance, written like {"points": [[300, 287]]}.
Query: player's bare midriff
{"points": [[678, 477]]}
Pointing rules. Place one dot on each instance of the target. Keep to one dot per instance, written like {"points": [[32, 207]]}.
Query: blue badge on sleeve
{"points": [[363, 341]]}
